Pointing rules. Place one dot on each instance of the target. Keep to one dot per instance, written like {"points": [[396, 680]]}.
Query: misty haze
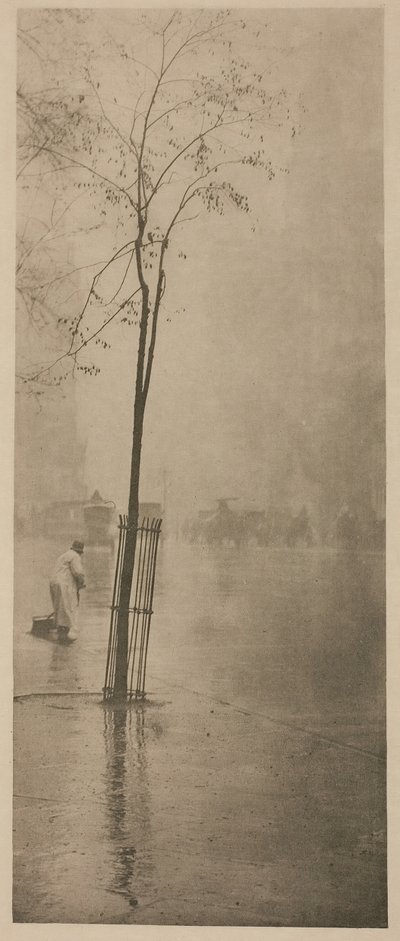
{"points": [[203, 190]]}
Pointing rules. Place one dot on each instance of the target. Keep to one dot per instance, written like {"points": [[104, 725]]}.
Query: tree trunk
{"points": [[128, 560], [141, 391]]}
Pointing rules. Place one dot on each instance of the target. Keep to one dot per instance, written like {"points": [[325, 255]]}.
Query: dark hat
{"points": [[78, 546]]}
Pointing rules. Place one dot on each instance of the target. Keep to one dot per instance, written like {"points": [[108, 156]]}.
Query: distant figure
{"points": [[224, 526], [347, 535], [300, 530], [65, 585]]}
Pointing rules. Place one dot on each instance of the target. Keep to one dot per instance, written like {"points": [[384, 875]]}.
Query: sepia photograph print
{"points": [[199, 716]]}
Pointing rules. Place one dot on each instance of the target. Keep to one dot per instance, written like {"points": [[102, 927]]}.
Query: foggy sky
{"points": [[276, 319]]}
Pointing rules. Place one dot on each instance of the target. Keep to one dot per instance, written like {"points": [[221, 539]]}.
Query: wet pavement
{"points": [[250, 789]]}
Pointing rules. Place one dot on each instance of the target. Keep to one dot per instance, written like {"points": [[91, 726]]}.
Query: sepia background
{"points": [[270, 387]]}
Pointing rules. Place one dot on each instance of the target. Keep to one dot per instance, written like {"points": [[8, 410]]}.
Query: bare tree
{"points": [[166, 117]]}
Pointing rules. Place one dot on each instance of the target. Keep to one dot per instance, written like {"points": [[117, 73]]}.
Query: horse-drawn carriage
{"points": [[215, 527], [275, 527]]}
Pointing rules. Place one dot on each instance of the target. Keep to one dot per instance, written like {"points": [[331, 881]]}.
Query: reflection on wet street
{"points": [[127, 792], [252, 781]]}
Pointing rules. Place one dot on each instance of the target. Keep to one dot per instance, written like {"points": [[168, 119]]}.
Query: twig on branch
{"points": [[85, 166], [92, 287], [106, 116], [131, 254], [72, 354], [105, 324], [33, 157]]}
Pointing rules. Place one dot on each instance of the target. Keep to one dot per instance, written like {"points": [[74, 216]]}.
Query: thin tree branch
{"points": [[84, 166], [185, 101], [70, 351], [183, 151], [135, 115], [33, 157], [131, 254], [137, 61], [72, 354], [106, 116], [70, 274], [188, 219], [92, 287], [105, 324]]}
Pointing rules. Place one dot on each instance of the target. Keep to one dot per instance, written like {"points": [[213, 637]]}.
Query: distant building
{"points": [[49, 456]]}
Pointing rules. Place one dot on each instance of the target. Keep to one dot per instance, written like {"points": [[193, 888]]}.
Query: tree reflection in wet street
{"points": [[127, 793]]}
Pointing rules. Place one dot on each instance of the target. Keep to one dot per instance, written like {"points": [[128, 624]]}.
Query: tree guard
{"points": [[140, 613]]}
